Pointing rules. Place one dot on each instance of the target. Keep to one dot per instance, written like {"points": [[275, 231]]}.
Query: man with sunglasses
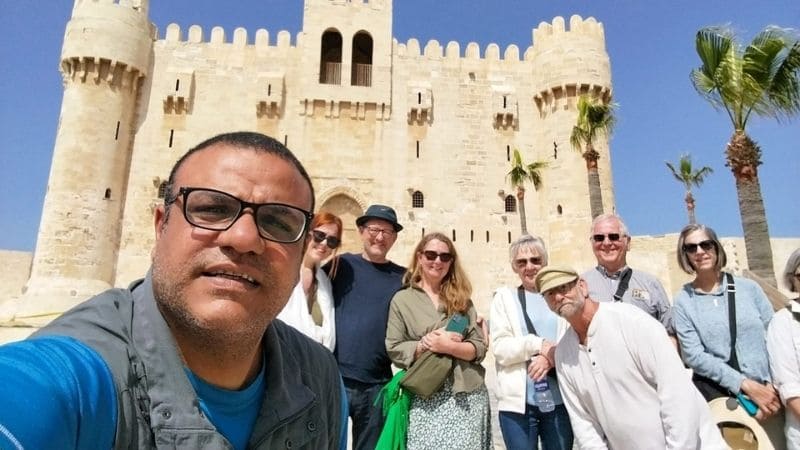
{"points": [[613, 280], [622, 382], [190, 356], [363, 286]]}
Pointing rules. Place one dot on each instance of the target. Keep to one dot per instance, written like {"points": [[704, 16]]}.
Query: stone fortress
{"points": [[429, 130]]}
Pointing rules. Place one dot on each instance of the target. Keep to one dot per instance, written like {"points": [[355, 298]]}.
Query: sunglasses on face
{"points": [[613, 237], [331, 241], [705, 245], [431, 255], [522, 262]]}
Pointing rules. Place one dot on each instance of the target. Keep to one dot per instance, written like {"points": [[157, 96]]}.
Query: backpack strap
{"points": [[522, 302], [624, 279], [733, 360]]}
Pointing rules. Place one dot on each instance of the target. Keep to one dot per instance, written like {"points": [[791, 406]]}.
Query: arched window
{"points": [[162, 189], [511, 203], [330, 65], [361, 71], [417, 200]]}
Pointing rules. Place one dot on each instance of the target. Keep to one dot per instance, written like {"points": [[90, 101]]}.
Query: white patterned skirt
{"points": [[450, 421]]}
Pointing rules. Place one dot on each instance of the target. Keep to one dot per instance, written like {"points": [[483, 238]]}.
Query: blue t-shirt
{"points": [[233, 413], [362, 291]]}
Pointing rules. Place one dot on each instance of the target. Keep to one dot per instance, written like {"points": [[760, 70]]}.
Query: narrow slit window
{"points": [[417, 149], [107, 194], [487, 235], [560, 210], [116, 133], [509, 237], [171, 137], [454, 235], [177, 85], [508, 153], [472, 235]]}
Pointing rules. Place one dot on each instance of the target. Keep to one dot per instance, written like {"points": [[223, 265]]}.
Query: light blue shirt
{"points": [[545, 322], [701, 321]]}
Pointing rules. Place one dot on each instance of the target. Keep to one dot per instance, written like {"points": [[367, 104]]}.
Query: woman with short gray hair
{"points": [[524, 333]]}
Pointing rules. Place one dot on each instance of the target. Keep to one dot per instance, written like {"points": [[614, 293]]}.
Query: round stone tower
{"points": [[107, 50], [566, 64]]}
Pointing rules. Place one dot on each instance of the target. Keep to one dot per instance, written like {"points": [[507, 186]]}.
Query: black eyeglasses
{"points": [[705, 245], [522, 262], [214, 210], [613, 237], [331, 241], [375, 231], [431, 255]]}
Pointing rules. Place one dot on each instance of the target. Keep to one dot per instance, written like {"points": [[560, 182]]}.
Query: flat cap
{"points": [[554, 276]]}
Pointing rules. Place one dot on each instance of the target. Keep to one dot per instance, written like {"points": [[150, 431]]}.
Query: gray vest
{"points": [[157, 406]]}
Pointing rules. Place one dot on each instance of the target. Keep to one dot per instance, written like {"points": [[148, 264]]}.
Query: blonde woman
{"points": [[435, 288]]}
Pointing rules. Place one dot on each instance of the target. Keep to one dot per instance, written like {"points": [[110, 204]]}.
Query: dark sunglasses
{"points": [[522, 262], [705, 245], [431, 255], [613, 237], [331, 241]]}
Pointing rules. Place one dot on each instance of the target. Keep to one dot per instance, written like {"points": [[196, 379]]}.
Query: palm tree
{"points": [[761, 79], [688, 176], [519, 174], [594, 117]]}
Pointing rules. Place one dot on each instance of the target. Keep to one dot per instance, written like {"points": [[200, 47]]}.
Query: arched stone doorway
{"points": [[348, 210]]}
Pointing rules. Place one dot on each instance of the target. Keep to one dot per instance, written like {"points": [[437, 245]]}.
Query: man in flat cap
{"points": [[622, 381], [363, 286]]}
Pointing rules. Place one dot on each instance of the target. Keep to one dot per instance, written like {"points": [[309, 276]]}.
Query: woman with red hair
{"points": [[310, 308]]}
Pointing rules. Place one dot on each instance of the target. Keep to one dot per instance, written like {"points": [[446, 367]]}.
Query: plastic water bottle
{"points": [[543, 396]]}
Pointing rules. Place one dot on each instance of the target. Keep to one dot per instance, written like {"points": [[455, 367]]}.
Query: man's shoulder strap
{"points": [[624, 280]]}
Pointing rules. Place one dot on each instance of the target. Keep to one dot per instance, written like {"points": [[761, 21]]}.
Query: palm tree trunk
{"points": [[743, 157], [754, 224], [689, 199], [523, 220], [595, 196]]}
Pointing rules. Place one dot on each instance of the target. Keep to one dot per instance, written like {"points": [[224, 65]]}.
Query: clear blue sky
{"points": [[651, 45]]}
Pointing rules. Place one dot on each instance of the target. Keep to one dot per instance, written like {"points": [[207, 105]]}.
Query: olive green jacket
{"points": [[412, 316]]}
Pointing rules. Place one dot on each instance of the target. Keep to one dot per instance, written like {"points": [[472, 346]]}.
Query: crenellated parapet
{"points": [[568, 62], [109, 41], [239, 39], [434, 51]]}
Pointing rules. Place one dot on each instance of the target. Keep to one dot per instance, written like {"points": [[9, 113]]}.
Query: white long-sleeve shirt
{"points": [[627, 388], [296, 314], [783, 344]]}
